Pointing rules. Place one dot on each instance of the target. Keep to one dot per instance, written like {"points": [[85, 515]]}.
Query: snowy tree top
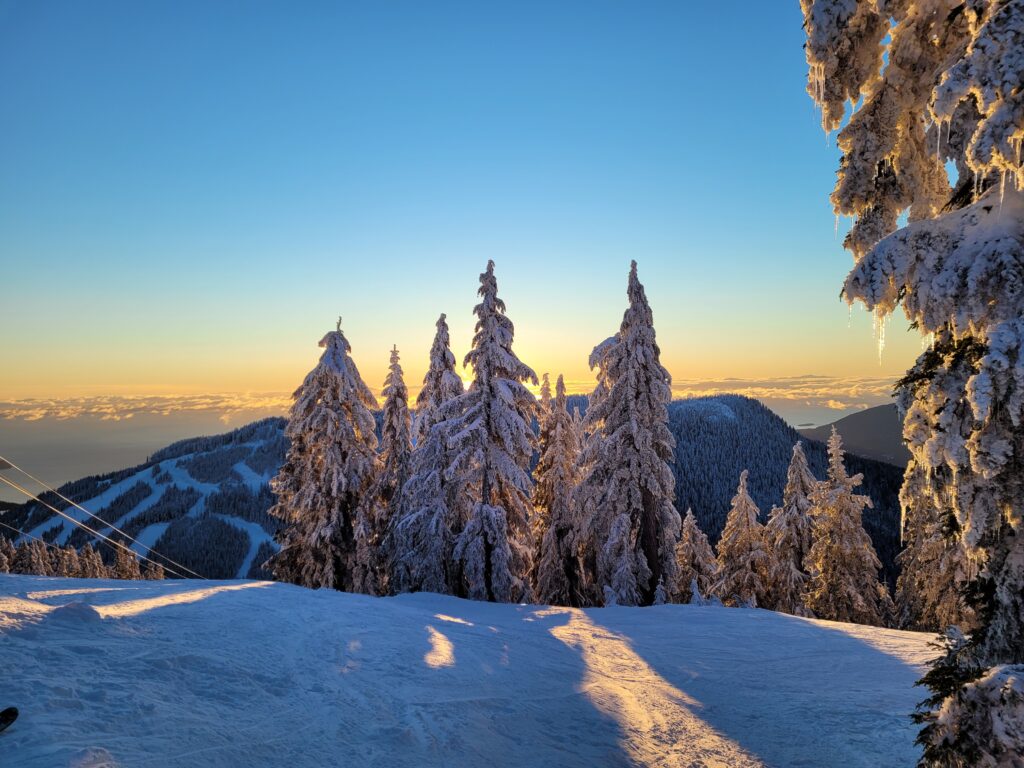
{"points": [[491, 355]]}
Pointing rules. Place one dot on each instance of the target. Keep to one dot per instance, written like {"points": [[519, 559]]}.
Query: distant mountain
{"points": [[875, 433], [203, 502]]}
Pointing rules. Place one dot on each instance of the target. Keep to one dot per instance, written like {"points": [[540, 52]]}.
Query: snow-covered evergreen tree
{"points": [[744, 561], [558, 576], [7, 555], [126, 565], [934, 572], [592, 477], [940, 81], [153, 572], [789, 537], [423, 536], [91, 563], [31, 558], [635, 525], [378, 516], [492, 437], [544, 401], [440, 384], [329, 468], [697, 563], [67, 563], [843, 565]]}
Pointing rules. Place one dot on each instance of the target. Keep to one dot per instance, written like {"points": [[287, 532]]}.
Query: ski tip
{"points": [[7, 717]]}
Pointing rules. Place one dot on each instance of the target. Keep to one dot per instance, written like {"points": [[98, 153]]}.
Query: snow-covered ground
{"points": [[244, 673]]}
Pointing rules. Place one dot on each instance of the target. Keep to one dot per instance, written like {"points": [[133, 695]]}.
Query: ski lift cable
{"points": [[80, 524], [6, 463], [29, 535]]}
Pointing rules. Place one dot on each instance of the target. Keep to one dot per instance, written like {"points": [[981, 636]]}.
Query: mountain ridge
{"points": [[203, 501]]}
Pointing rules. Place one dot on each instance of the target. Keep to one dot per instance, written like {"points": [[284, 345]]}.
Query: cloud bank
{"points": [[824, 392], [122, 407]]}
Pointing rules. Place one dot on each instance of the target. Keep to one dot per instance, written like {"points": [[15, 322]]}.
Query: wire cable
{"points": [[80, 524], [5, 461], [29, 535]]}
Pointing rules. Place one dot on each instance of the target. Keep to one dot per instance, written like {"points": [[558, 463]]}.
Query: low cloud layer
{"points": [[827, 392], [830, 392], [119, 408]]}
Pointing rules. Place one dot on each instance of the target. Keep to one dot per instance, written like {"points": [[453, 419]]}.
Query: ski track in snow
{"points": [[149, 536], [245, 673]]}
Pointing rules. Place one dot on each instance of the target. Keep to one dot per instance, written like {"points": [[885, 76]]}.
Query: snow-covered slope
{"points": [[201, 502], [245, 673]]}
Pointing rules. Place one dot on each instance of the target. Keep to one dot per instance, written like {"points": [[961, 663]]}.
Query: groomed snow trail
{"points": [[245, 673]]}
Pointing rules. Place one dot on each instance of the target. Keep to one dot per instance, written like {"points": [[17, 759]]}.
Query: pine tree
{"points": [[378, 516], [7, 555], [558, 576], [696, 560], [636, 525], [544, 401], [126, 565], [592, 469], [329, 468], [421, 542], [789, 535], [153, 571], [932, 83], [844, 568], [92, 563], [31, 558], [68, 565], [934, 567], [441, 383], [743, 558], [493, 441]]}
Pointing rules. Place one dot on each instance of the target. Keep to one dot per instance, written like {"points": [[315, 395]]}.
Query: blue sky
{"points": [[193, 191]]}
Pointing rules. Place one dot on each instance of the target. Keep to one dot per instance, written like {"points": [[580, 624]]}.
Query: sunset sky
{"points": [[193, 192]]}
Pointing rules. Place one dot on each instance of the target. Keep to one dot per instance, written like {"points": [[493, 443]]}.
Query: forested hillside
{"points": [[203, 501]]}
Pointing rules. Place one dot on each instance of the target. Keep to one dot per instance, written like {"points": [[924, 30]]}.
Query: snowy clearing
{"points": [[249, 673]]}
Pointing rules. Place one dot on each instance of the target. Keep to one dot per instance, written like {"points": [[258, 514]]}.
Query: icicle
{"points": [[836, 234], [849, 316], [879, 318], [1002, 191]]}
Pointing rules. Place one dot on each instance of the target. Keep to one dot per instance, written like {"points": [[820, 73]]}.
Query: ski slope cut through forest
{"points": [[249, 673]]}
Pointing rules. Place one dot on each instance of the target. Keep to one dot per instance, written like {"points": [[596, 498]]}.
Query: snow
{"points": [[257, 536], [94, 505], [149, 536], [244, 673]]}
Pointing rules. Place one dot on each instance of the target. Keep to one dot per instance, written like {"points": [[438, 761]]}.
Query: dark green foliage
{"points": [[268, 457], [118, 508], [718, 437], [239, 501], [257, 432], [174, 503], [216, 466], [206, 545], [31, 514], [256, 570]]}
